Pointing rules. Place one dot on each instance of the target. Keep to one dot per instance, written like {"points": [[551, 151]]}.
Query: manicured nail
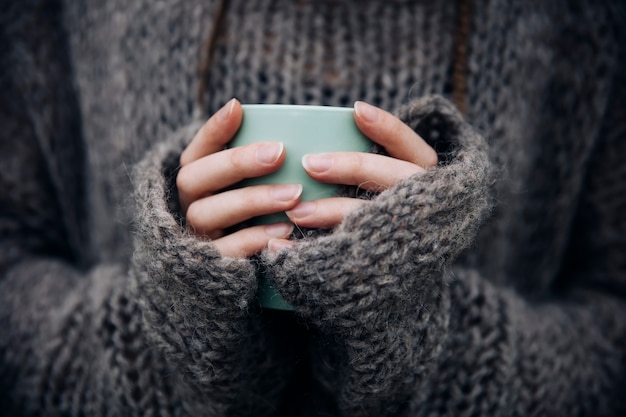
{"points": [[365, 111], [224, 113], [302, 210], [280, 230], [317, 163], [268, 153], [286, 192]]}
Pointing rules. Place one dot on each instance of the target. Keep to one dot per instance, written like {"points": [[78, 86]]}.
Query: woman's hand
{"points": [[409, 155], [207, 169]]}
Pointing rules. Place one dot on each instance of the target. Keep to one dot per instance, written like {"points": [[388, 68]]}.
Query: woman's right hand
{"points": [[207, 168]]}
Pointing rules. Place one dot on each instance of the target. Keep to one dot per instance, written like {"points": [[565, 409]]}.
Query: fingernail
{"points": [[280, 230], [286, 192], [278, 244], [224, 113], [302, 210], [269, 153], [366, 111], [317, 163]]}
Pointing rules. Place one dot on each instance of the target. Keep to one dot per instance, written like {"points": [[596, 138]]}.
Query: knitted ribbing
{"points": [[524, 61], [314, 52]]}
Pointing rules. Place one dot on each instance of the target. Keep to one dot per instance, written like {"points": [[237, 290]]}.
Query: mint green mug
{"points": [[302, 130]]}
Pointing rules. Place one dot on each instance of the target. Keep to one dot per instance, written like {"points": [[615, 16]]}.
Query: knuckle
{"points": [[392, 126], [190, 153], [355, 166], [194, 215], [184, 180], [184, 159], [431, 159], [425, 158], [248, 198], [237, 158], [396, 128]]}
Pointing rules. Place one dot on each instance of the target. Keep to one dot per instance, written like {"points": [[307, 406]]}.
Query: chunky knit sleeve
{"points": [[420, 225], [376, 283], [178, 332], [562, 353], [404, 331], [199, 308], [174, 333]]}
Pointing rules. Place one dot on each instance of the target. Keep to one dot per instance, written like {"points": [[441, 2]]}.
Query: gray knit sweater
{"points": [[493, 284]]}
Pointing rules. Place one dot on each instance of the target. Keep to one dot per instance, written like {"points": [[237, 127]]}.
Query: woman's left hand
{"points": [[408, 153]]}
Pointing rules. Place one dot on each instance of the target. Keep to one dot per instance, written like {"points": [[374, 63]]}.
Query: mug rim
{"points": [[297, 107]]}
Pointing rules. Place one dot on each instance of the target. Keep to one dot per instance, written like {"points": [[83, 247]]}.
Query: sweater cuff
{"points": [[170, 262], [390, 254]]}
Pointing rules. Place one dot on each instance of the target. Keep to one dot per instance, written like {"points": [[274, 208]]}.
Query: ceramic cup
{"points": [[302, 130]]}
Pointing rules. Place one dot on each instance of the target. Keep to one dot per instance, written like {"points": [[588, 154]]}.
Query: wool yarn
{"points": [[491, 284]]}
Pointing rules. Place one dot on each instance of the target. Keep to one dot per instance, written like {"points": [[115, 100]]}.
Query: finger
{"points": [[209, 216], [215, 133], [247, 242], [398, 139], [275, 245], [365, 170], [324, 213], [222, 169]]}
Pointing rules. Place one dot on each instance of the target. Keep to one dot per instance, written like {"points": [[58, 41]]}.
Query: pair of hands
{"points": [[207, 169]]}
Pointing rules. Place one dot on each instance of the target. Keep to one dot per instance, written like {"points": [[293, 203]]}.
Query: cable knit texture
{"points": [[491, 284]]}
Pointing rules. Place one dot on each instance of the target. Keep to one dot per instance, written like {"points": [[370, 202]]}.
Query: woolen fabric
{"points": [[491, 284]]}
